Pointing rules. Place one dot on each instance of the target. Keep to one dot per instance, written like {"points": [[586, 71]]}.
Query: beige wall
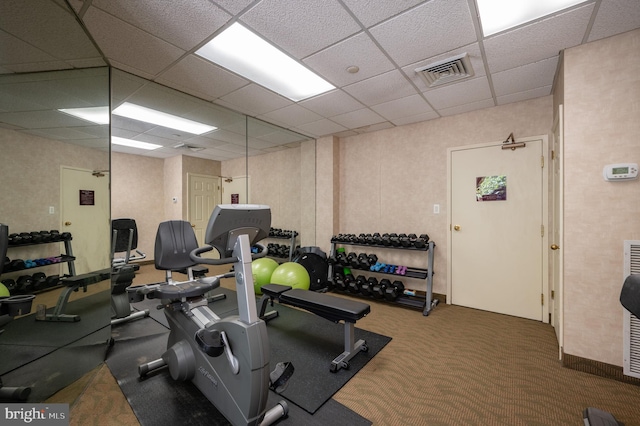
{"points": [[602, 125], [137, 192], [390, 179], [30, 184]]}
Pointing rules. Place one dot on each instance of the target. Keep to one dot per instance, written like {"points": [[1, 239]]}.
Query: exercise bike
{"points": [[226, 358]]}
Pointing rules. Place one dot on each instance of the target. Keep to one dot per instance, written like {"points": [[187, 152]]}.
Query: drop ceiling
{"points": [[386, 40]]}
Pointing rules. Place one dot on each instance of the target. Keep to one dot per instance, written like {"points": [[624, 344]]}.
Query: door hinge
{"points": [[542, 230], [542, 299], [553, 294], [542, 162], [553, 155]]}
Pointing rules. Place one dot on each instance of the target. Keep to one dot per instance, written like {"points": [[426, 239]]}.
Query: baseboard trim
{"points": [[597, 368]]}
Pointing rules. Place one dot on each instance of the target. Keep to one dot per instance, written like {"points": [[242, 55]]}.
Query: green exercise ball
{"points": [[291, 274], [262, 269], [4, 291]]}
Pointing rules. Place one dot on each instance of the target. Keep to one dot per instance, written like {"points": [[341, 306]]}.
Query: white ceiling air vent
{"points": [[447, 71], [191, 148]]}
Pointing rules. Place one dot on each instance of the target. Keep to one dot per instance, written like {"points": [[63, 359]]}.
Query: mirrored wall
{"points": [[50, 157]]}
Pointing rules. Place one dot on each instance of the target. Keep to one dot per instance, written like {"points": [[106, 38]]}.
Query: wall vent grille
{"points": [[631, 323], [447, 71]]}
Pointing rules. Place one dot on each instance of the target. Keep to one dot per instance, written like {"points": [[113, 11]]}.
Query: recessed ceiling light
{"points": [[244, 53], [500, 15], [134, 144], [160, 118], [98, 115], [353, 69]]}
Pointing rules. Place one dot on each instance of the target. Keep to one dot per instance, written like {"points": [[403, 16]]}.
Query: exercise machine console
{"points": [[226, 358]]}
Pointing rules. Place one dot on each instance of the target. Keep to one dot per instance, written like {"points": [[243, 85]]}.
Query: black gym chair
{"points": [[124, 240], [630, 300]]}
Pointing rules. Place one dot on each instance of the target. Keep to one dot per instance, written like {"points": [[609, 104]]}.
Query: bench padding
{"points": [[327, 306]]}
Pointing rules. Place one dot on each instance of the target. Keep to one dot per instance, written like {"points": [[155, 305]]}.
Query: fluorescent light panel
{"points": [[160, 118], [500, 15], [134, 144], [244, 53], [98, 115]]}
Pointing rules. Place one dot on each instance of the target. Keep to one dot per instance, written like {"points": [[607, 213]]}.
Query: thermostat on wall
{"points": [[622, 171]]}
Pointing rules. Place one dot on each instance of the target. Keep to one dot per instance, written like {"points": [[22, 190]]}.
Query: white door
{"points": [[556, 239], [496, 233], [235, 190], [204, 195], [85, 213]]}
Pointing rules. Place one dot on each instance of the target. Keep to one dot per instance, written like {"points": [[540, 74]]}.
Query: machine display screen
{"points": [[620, 170]]}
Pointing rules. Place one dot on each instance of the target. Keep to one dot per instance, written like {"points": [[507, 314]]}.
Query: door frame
{"points": [[557, 281], [545, 215]]}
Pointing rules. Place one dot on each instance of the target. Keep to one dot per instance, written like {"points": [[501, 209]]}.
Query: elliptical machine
{"points": [[226, 358]]}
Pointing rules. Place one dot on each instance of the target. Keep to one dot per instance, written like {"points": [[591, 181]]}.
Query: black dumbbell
{"points": [[355, 285], [46, 236], [17, 265], [66, 236], [25, 284], [393, 290], [367, 288], [52, 281], [372, 259], [405, 241], [38, 280], [338, 281], [352, 260], [379, 289], [420, 243], [363, 261], [10, 284], [55, 235]]}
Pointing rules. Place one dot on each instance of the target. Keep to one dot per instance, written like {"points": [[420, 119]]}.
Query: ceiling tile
{"points": [[460, 109], [308, 27], [148, 54], [382, 88], [523, 96], [363, 117], [358, 50], [424, 32], [255, 99], [523, 78], [332, 103], [415, 118], [58, 31], [233, 6], [370, 12], [201, 78], [183, 23], [411, 105], [292, 115], [538, 41], [461, 92], [320, 128], [615, 17]]}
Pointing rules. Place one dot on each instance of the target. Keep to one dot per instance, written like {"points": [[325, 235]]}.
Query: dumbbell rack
{"points": [[66, 257], [428, 303], [292, 238]]}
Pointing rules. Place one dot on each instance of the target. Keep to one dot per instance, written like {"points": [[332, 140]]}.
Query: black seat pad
{"points": [[327, 306]]}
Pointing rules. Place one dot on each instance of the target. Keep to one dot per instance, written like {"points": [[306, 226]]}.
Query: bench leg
{"points": [[264, 303], [351, 348]]}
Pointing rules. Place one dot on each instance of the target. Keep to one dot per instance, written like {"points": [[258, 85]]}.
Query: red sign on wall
{"points": [[235, 198]]}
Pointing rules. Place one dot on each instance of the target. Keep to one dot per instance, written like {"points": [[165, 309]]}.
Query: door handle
{"points": [[554, 247], [456, 227], [67, 224]]}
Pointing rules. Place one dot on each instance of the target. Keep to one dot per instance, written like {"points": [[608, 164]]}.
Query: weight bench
{"points": [[333, 308], [74, 283]]}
